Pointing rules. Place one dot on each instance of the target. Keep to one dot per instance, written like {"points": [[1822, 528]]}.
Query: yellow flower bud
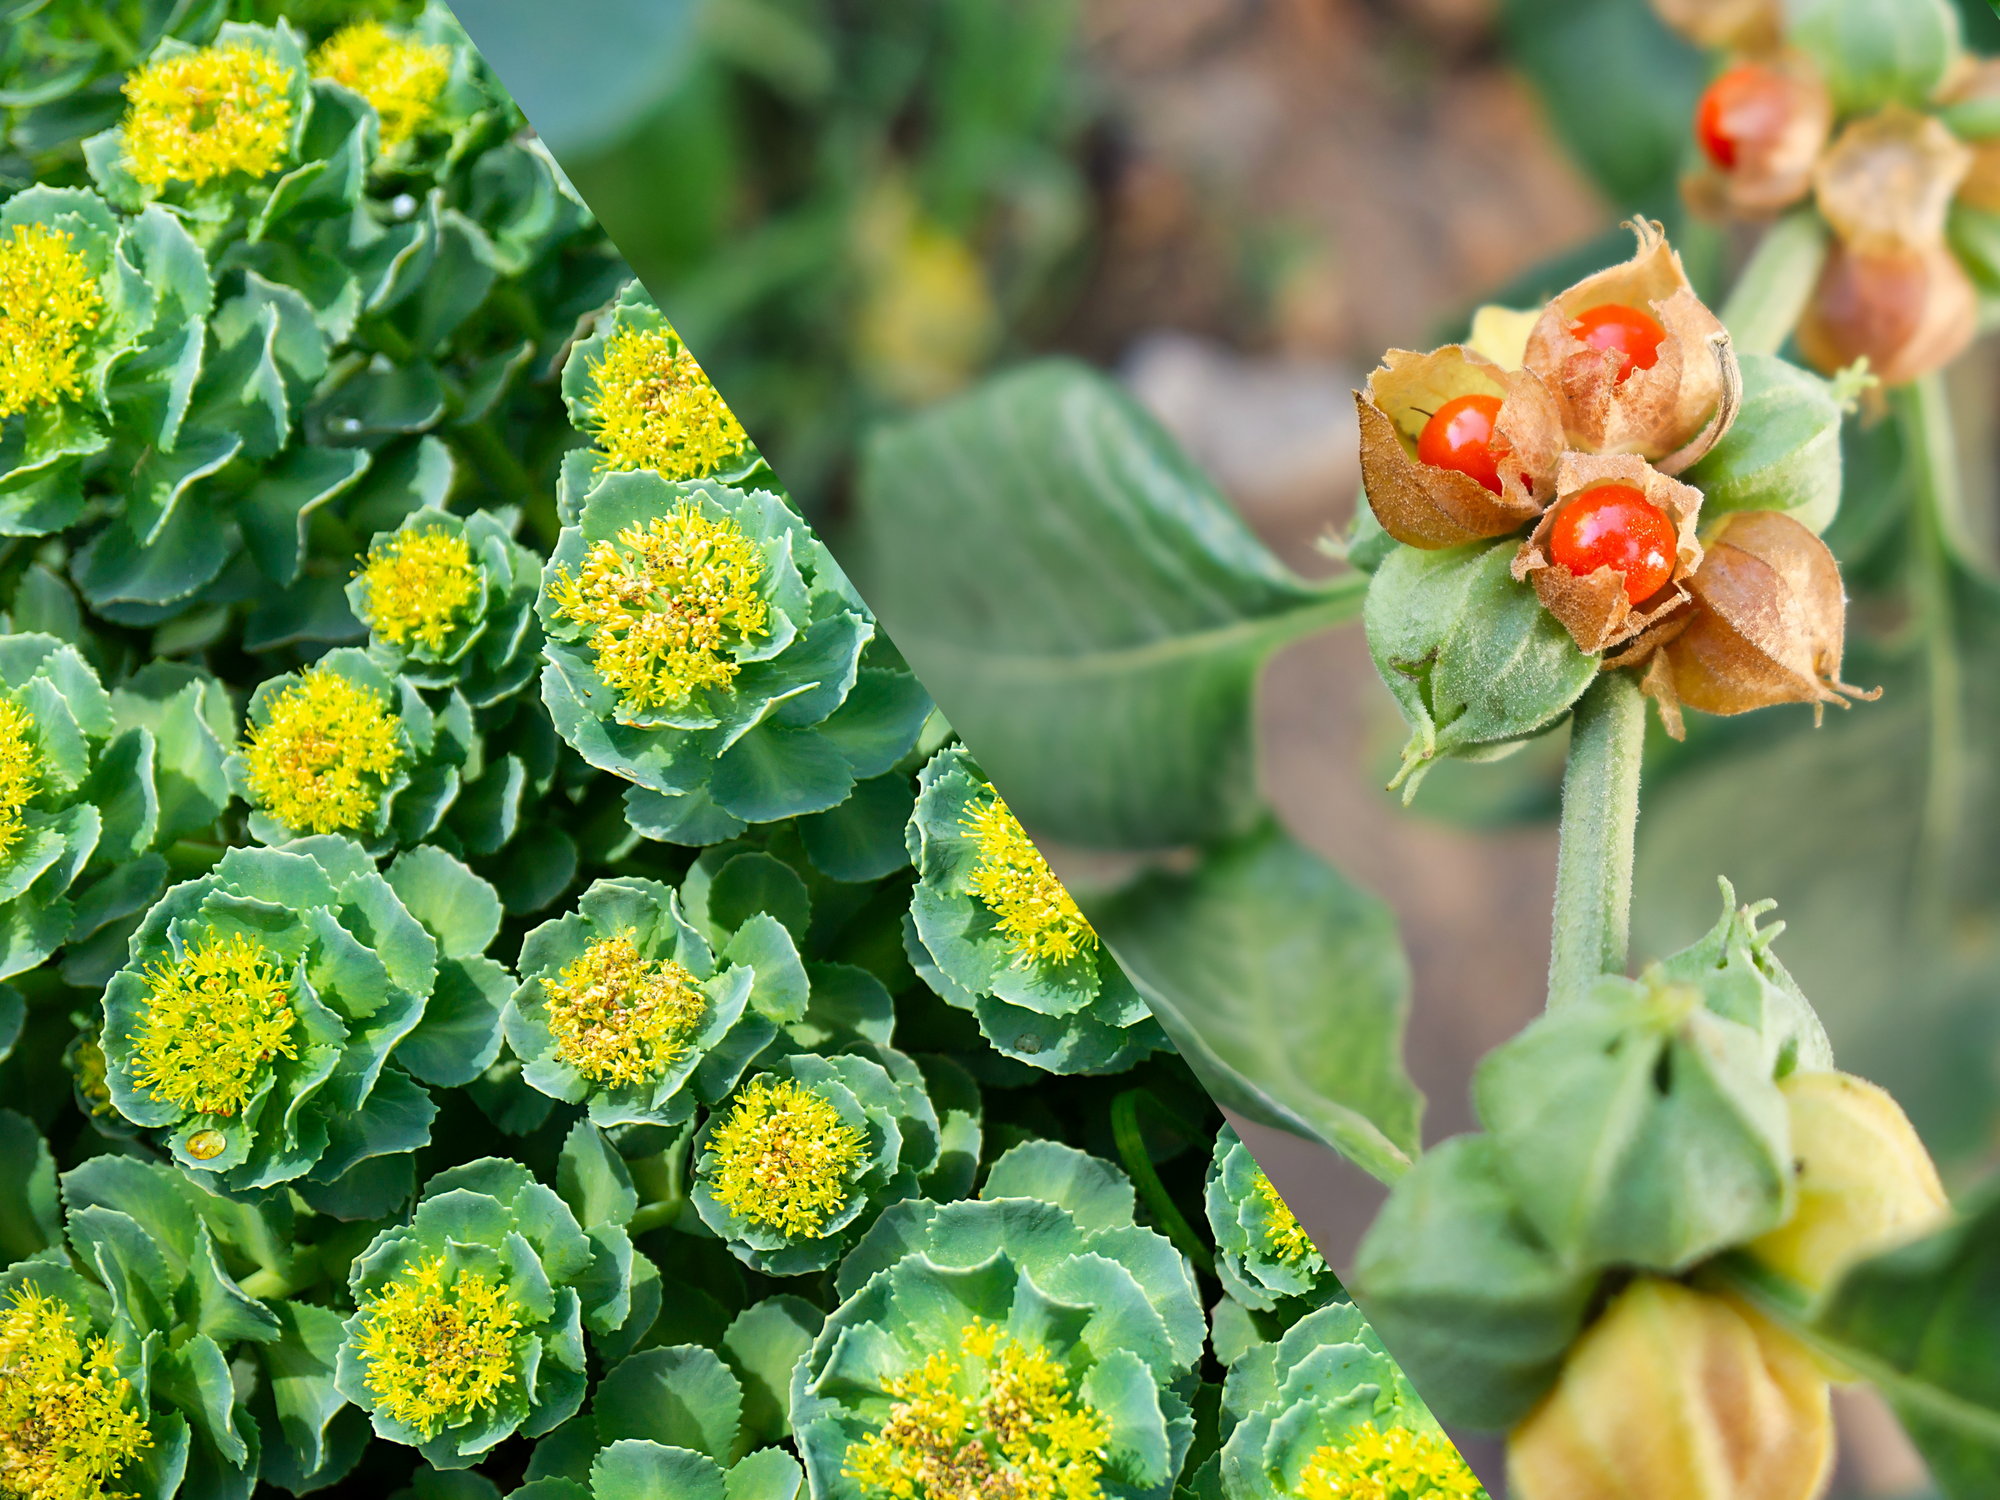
{"points": [[1865, 1181], [1677, 1395]]}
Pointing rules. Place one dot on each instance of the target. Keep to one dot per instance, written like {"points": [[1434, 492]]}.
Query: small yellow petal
{"points": [[322, 760], [435, 1349], [215, 1020], [1017, 886], [419, 585], [1393, 1465], [67, 1423], [20, 774], [618, 1019], [782, 1157], [400, 76], [48, 301], [656, 409], [206, 115]]}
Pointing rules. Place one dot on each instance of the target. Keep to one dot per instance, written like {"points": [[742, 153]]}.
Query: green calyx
{"points": [[1263, 1256], [991, 931]]}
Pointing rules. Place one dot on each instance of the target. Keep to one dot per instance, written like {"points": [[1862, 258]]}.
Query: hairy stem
{"points": [[1936, 530], [1764, 305], [1600, 814], [1132, 1149]]}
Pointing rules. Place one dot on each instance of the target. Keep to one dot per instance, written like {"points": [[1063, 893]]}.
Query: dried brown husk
{"points": [[1675, 1394], [1593, 607], [1431, 507], [1981, 187], [1978, 82], [1886, 184], [1768, 625], [1777, 171], [1744, 25], [1907, 312], [1670, 414]]}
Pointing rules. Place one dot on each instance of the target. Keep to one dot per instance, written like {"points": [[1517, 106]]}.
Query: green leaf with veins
{"points": [[1088, 609]]}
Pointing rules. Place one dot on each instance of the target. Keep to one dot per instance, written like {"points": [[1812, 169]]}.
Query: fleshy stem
{"points": [[1132, 1149], [1764, 305], [662, 1181], [1600, 815], [1937, 532]]}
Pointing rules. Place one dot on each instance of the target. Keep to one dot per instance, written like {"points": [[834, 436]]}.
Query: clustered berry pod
{"points": [[1077, 1329], [1672, 1393], [1486, 644], [992, 931], [1554, 1275], [1262, 1253], [1297, 1429]]}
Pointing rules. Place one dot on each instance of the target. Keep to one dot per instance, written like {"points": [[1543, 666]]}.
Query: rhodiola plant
{"points": [[505, 962]]}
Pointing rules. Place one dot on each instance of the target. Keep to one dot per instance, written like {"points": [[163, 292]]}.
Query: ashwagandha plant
{"points": [[493, 988], [1616, 495]]}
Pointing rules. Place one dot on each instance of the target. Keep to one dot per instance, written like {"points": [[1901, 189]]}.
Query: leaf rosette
{"points": [[104, 318], [449, 602], [796, 1163], [624, 1007], [255, 1021], [74, 789], [701, 645], [1052, 1305], [1262, 1254], [1324, 1412], [638, 393], [116, 1337], [993, 931], [470, 1318], [205, 125], [345, 748]]}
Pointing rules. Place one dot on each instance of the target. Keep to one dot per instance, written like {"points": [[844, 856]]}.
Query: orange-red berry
{"points": [[1747, 105], [1615, 526], [1459, 436], [1623, 330]]}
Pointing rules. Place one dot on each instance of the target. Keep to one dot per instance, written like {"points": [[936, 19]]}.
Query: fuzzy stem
{"points": [[1132, 1148], [1600, 815], [1937, 529], [1764, 305]]}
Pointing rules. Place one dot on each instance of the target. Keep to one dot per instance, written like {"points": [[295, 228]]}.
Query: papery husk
{"points": [[1865, 1181], [1977, 85], [1906, 312], [1768, 625], [1431, 507], [1772, 174], [1743, 25], [1675, 1394], [1981, 187], [1886, 183], [1670, 414], [1594, 608]]}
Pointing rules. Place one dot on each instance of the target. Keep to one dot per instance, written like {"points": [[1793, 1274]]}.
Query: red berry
{"points": [[1747, 104], [1459, 436], [1623, 330], [1615, 526]]}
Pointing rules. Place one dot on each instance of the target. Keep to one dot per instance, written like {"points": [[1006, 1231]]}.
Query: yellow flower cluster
{"points": [[66, 1431], [1015, 882], [400, 76], [20, 774], [993, 1417], [1283, 1234], [1393, 1465], [322, 760], [617, 1018], [48, 300], [207, 114], [657, 409], [418, 585], [783, 1156], [436, 1349], [214, 1020], [665, 604]]}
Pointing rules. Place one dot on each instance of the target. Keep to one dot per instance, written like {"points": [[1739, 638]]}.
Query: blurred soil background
{"points": [[853, 208]]}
